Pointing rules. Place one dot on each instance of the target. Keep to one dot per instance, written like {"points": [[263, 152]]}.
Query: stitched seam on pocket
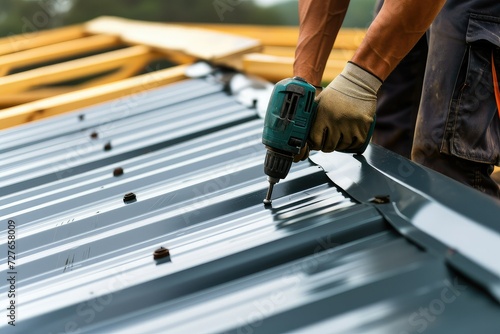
{"points": [[451, 117]]}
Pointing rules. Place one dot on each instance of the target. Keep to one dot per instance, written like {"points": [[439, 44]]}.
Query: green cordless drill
{"points": [[289, 117]]}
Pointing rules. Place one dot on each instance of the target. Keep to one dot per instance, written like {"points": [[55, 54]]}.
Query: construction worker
{"points": [[458, 124]]}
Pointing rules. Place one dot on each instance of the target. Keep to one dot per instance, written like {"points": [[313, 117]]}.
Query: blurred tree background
{"points": [[24, 16]]}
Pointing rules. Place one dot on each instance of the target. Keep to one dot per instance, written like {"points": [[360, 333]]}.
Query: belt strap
{"points": [[495, 83]]}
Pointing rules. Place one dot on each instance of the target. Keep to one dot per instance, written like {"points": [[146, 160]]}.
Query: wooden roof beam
{"points": [[35, 39], [55, 51]]}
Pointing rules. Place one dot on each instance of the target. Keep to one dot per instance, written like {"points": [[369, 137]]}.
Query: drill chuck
{"points": [[277, 164]]}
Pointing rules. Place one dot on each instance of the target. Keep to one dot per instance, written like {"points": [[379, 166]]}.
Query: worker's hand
{"points": [[346, 109]]}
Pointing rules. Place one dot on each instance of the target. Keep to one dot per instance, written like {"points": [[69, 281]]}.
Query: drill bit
{"points": [[268, 200], [272, 181]]}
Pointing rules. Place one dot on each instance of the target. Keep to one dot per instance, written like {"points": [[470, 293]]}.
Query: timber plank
{"points": [[182, 44], [26, 41]]}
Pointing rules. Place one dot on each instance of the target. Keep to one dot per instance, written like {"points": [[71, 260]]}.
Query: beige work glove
{"points": [[346, 109]]}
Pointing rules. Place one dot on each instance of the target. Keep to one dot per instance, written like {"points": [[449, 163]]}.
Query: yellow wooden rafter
{"points": [[56, 51], [26, 41], [11, 100]]}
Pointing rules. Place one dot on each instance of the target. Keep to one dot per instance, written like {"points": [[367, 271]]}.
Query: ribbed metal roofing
{"points": [[324, 259]]}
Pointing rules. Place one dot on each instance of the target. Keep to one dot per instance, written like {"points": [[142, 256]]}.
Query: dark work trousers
{"points": [[438, 106]]}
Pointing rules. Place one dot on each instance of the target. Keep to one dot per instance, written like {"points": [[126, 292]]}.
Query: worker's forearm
{"points": [[394, 32], [320, 21]]}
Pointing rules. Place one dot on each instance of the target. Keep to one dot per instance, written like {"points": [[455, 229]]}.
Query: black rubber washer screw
{"points": [[160, 253], [118, 171], [107, 146], [129, 198], [94, 135], [81, 117]]}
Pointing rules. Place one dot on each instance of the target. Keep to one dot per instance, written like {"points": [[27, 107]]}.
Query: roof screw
{"points": [[381, 199], [94, 135], [160, 253], [81, 117], [118, 171], [129, 198], [107, 146]]}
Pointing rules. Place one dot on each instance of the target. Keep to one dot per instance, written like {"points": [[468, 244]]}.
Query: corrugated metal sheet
{"points": [[322, 259]]}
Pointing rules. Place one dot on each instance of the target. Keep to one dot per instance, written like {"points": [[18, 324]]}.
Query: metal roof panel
{"points": [[323, 258]]}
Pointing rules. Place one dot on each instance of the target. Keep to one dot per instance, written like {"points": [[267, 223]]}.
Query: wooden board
{"points": [[180, 43]]}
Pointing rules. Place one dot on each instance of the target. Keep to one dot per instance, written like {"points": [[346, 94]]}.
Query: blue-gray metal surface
{"points": [[323, 259]]}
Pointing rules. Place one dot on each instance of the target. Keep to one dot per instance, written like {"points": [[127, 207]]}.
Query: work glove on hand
{"points": [[346, 109]]}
